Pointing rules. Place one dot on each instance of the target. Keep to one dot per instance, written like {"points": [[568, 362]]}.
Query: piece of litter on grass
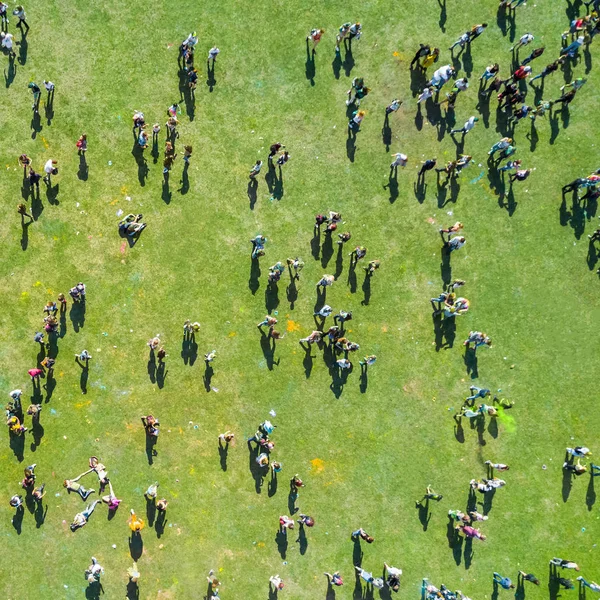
{"points": [[114, 545], [128, 198], [195, 426], [544, 467], [77, 204], [272, 413], [64, 437], [52, 411], [214, 389], [110, 163], [119, 213], [190, 422]]}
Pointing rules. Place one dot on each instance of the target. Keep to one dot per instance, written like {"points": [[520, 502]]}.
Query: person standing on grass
{"points": [[422, 52], [19, 12], [315, 36], [4, 15], [400, 160], [547, 70], [462, 41], [490, 72], [469, 124], [478, 338], [7, 43], [426, 165], [476, 31], [356, 120], [520, 175], [363, 535], [393, 106], [81, 518], [425, 94], [283, 158], [564, 564], [534, 54], [94, 571], [37, 93], [276, 583], [82, 144], [372, 267], [212, 55]]}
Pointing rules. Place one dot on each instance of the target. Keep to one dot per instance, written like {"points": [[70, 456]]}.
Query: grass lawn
{"points": [[367, 449]]}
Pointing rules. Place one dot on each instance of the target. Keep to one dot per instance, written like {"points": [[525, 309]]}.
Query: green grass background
{"points": [[528, 284]]}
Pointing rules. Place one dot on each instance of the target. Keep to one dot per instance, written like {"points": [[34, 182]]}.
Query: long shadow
{"points": [[77, 315], [366, 288], [52, 194], [483, 107], [445, 265], [339, 261], [93, 590], [17, 445], [418, 121], [49, 108], [136, 545], [470, 360], [443, 15], [468, 61], [392, 186], [336, 65], [140, 159], [553, 585], [211, 81], [468, 554], [271, 296], [268, 349], [25, 233], [590, 495], [253, 282], [23, 47], [36, 125], [478, 423], [327, 249], [161, 522], [282, 542], [272, 486], [150, 448], [37, 432], [132, 591], [459, 432], [357, 553], [9, 76], [424, 514], [83, 171], [302, 540], [554, 126], [151, 367], [386, 132], [455, 542], [185, 180], [208, 375], [167, 194], [351, 145], [40, 514], [150, 511], [348, 63], [315, 243], [592, 256], [257, 471], [567, 481], [161, 374], [307, 362], [85, 373], [352, 277], [291, 292], [364, 379], [252, 192], [417, 80], [309, 68], [223, 452]]}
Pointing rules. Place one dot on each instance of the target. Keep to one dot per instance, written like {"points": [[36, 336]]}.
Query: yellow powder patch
{"points": [[46, 144], [396, 53], [37, 284], [49, 291], [123, 189], [114, 202], [384, 328], [232, 334], [318, 464], [82, 404], [61, 374], [292, 326], [24, 295]]}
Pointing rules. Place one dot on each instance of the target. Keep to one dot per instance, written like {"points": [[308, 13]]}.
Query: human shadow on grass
{"points": [[37, 433], [267, 345], [161, 374], [351, 143], [223, 452], [252, 192], [151, 451], [136, 545], [17, 445], [366, 288], [142, 165], [315, 243], [189, 348], [77, 315], [94, 590], [309, 67], [85, 373], [444, 330], [281, 540], [150, 510], [25, 232], [258, 472], [272, 486], [455, 541], [470, 360], [339, 261], [151, 366], [357, 553], [424, 514], [291, 292], [567, 478], [307, 362], [52, 194], [364, 378], [253, 281], [339, 378], [211, 80], [132, 591], [352, 284], [36, 125], [392, 185], [208, 375], [386, 132], [417, 80], [83, 172], [327, 249], [185, 180], [39, 514], [161, 522], [302, 540], [271, 297], [590, 495]]}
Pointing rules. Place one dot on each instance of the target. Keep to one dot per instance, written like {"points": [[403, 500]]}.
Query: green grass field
{"points": [[367, 451]]}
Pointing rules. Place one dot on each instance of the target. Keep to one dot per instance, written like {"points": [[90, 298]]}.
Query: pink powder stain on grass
{"points": [[123, 247]]}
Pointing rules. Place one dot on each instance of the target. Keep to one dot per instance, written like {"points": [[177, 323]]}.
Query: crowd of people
{"points": [[511, 91]]}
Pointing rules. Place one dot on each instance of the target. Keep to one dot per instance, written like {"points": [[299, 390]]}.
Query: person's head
{"points": [[189, 149], [369, 539], [361, 113], [66, 483], [484, 25]]}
